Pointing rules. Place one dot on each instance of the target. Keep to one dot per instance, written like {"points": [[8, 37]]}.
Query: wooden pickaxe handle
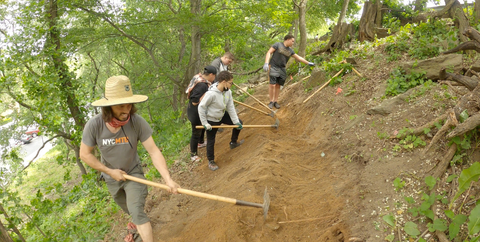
{"points": [[324, 85], [194, 193], [263, 104], [236, 126], [246, 105]]}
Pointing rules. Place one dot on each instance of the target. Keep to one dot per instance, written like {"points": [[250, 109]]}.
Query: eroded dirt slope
{"points": [[340, 196]]}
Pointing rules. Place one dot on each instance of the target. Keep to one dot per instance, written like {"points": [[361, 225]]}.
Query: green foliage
{"points": [[382, 135], [467, 176], [457, 221], [411, 229], [430, 181], [399, 82], [463, 142], [389, 219], [398, 184], [474, 221], [428, 38], [411, 142]]}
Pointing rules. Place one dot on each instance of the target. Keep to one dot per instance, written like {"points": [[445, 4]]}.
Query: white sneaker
{"points": [[201, 145], [195, 158]]}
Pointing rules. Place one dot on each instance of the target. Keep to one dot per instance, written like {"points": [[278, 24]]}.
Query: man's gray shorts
{"points": [[277, 80], [130, 196]]}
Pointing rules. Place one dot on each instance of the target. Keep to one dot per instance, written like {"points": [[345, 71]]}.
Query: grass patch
{"points": [[44, 172]]}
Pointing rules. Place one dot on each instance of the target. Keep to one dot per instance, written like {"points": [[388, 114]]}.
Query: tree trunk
{"points": [[340, 32], [379, 16], [302, 8], [420, 5], [174, 98], [2, 229], [459, 18], [58, 59], [63, 73], [339, 37], [293, 30], [366, 26], [4, 237], [195, 60], [477, 11], [76, 150]]}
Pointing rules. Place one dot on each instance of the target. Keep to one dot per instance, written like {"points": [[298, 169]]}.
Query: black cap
{"points": [[210, 70]]}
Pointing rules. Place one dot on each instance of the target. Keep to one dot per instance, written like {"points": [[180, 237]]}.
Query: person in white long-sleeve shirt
{"points": [[216, 108]]}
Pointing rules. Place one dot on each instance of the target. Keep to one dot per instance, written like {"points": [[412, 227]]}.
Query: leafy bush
{"points": [[399, 82]]}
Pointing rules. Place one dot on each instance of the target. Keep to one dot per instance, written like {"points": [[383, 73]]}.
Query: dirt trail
{"points": [[302, 184], [340, 196]]}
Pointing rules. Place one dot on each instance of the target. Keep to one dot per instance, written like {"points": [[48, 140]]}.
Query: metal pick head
{"points": [[266, 203], [277, 122]]}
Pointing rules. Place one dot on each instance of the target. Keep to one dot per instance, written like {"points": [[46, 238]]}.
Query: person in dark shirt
{"points": [[195, 95], [280, 53]]}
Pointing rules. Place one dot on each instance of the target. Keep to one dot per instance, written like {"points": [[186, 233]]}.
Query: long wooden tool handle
{"points": [[236, 126], [246, 105], [263, 104], [324, 85], [194, 193]]}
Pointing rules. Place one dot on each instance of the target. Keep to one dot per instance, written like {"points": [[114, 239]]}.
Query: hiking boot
{"points": [[212, 165], [270, 105], [277, 106], [201, 145], [236, 144]]}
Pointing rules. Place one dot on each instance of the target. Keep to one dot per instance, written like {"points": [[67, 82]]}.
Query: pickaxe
{"points": [[256, 109], [277, 122], [265, 205], [263, 104]]}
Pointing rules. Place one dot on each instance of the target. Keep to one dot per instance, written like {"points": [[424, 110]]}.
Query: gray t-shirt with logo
{"points": [[279, 60], [115, 148]]}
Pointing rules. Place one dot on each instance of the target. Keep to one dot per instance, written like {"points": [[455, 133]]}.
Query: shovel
{"points": [[277, 122], [256, 109], [265, 205]]}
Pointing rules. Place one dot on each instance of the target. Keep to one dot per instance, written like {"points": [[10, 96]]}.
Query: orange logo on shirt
{"points": [[117, 141]]}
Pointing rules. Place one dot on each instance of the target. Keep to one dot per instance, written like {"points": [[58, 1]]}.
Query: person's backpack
{"points": [[196, 79]]}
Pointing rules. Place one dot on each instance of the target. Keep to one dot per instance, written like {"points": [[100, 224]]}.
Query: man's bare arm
{"points": [[86, 154]]}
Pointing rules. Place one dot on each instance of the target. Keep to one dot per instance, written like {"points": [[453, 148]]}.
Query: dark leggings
{"points": [[197, 134], [212, 133]]}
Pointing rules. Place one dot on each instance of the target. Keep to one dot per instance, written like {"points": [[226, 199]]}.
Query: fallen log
{"points": [[469, 82]]}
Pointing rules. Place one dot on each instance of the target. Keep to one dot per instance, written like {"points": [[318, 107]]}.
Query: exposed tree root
{"points": [[469, 124], [420, 130], [469, 82], [451, 121], [443, 164]]}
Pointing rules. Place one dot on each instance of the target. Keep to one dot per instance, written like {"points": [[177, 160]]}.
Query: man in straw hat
{"points": [[116, 132]]}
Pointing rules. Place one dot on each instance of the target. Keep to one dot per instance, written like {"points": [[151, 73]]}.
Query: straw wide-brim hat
{"points": [[118, 90]]}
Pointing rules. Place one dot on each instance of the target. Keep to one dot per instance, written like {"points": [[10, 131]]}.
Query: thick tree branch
{"points": [[38, 152], [469, 45]]}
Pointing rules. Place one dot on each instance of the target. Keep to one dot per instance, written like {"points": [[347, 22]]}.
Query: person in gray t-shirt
{"points": [[116, 132], [281, 53]]}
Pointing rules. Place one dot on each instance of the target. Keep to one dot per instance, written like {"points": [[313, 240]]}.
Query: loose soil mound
{"points": [[328, 169]]}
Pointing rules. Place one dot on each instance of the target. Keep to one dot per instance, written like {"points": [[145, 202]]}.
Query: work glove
{"points": [[311, 64], [265, 67], [239, 126], [207, 127]]}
